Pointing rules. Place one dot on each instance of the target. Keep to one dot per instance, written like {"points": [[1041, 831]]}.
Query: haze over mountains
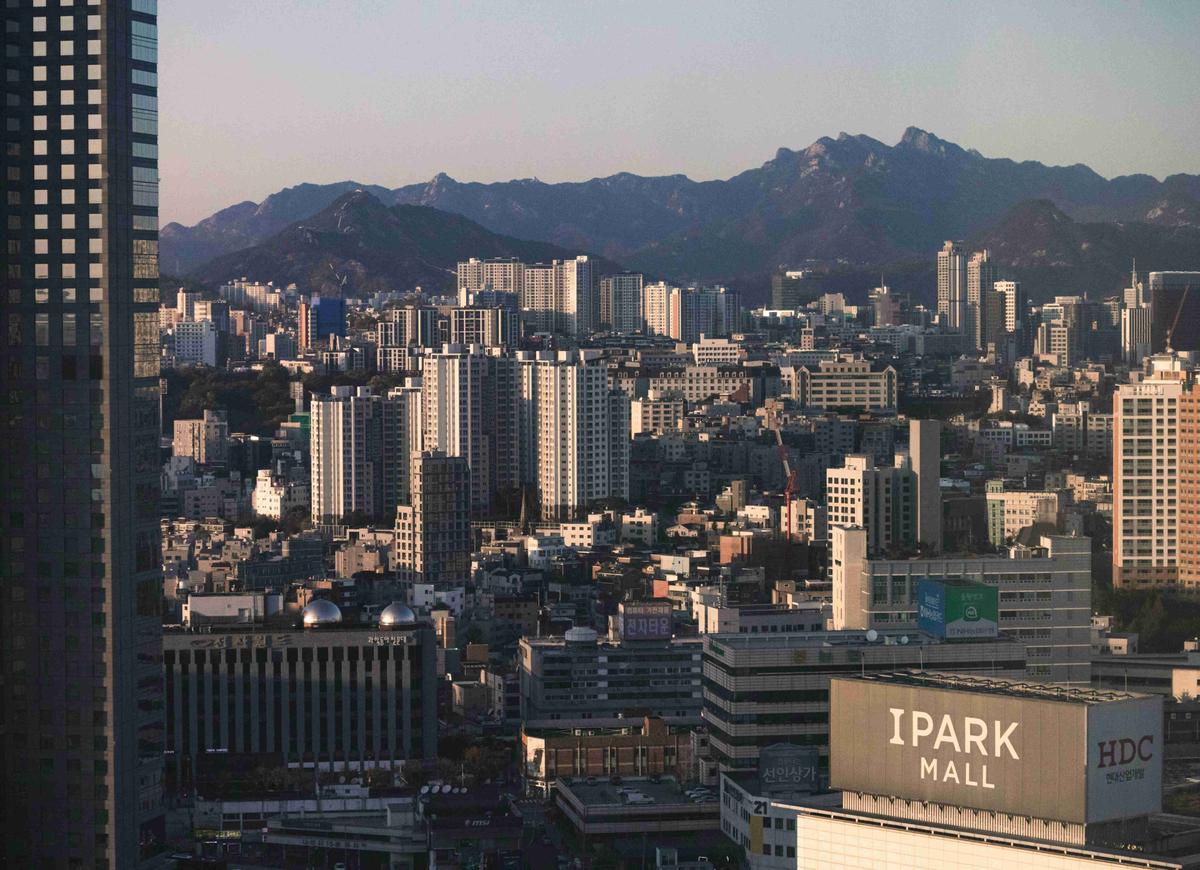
{"points": [[852, 201]]}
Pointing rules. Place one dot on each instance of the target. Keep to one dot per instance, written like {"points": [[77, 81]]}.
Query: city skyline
{"points": [[385, 536], [265, 112]]}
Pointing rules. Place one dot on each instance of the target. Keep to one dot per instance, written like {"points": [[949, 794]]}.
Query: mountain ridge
{"points": [[358, 245], [847, 199]]}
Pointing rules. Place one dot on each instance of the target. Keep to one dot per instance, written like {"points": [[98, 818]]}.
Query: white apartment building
{"points": [[275, 498], [582, 431], [686, 313], [621, 303], [489, 327], [505, 275], [952, 286], [457, 422], [1045, 596], [1012, 304], [195, 342], [639, 527], [562, 296], [1146, 472], [346, 439], [404, 434], [656, 308], [981, 278]]}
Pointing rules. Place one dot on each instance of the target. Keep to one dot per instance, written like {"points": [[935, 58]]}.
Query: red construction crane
{"points": [[790, 489]]}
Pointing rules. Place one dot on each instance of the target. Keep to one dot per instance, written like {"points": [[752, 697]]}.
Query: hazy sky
{"points": [[256, 95]]}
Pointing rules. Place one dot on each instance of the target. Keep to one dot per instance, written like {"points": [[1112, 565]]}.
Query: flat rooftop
{"points": [[1000, 686], [847, 637], [1088, 854], [665, 792]]}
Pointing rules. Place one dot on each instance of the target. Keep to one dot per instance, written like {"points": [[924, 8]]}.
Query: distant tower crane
{"points": [[790, 489], [1178, 311]]}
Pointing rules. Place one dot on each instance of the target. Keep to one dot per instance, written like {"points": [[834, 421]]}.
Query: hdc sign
{"points": [[1125, 750]]}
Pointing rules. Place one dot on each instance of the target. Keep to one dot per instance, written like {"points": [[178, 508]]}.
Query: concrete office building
{"points": [[621, 302], [318, 319], [760, 690], [656, 414], [925, 459], [205, 440], [81, 694], [579, 680], [1137, 336], [433, 533], [882, 500], [845, 384], [1148, 478], [1045, 596], [1011, 511], [714, 616], [326, 694], [649, 748]]}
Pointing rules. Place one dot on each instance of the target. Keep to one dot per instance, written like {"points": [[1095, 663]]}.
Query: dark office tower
{"points": [[793, 290], [1175, 310], [81, 698]]}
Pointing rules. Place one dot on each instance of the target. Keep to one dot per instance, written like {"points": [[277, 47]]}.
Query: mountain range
{"points": [[850, 202], [357, 245]]}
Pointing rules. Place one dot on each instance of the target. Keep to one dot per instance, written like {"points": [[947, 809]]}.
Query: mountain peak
{"points": [[923, 141]]}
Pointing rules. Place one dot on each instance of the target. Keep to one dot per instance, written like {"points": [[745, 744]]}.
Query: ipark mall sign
{"points": [[1053, 759]]}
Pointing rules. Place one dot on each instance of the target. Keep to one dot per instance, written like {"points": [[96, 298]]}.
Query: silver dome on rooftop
{"points": [[397, 615], [319, 613]]}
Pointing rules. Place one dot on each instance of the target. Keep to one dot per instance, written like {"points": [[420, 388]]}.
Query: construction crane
{"points": [[790, 489], [1178, 311]]}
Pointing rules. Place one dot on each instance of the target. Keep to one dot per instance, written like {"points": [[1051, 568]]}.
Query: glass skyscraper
{"points": [[81, 711]]}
